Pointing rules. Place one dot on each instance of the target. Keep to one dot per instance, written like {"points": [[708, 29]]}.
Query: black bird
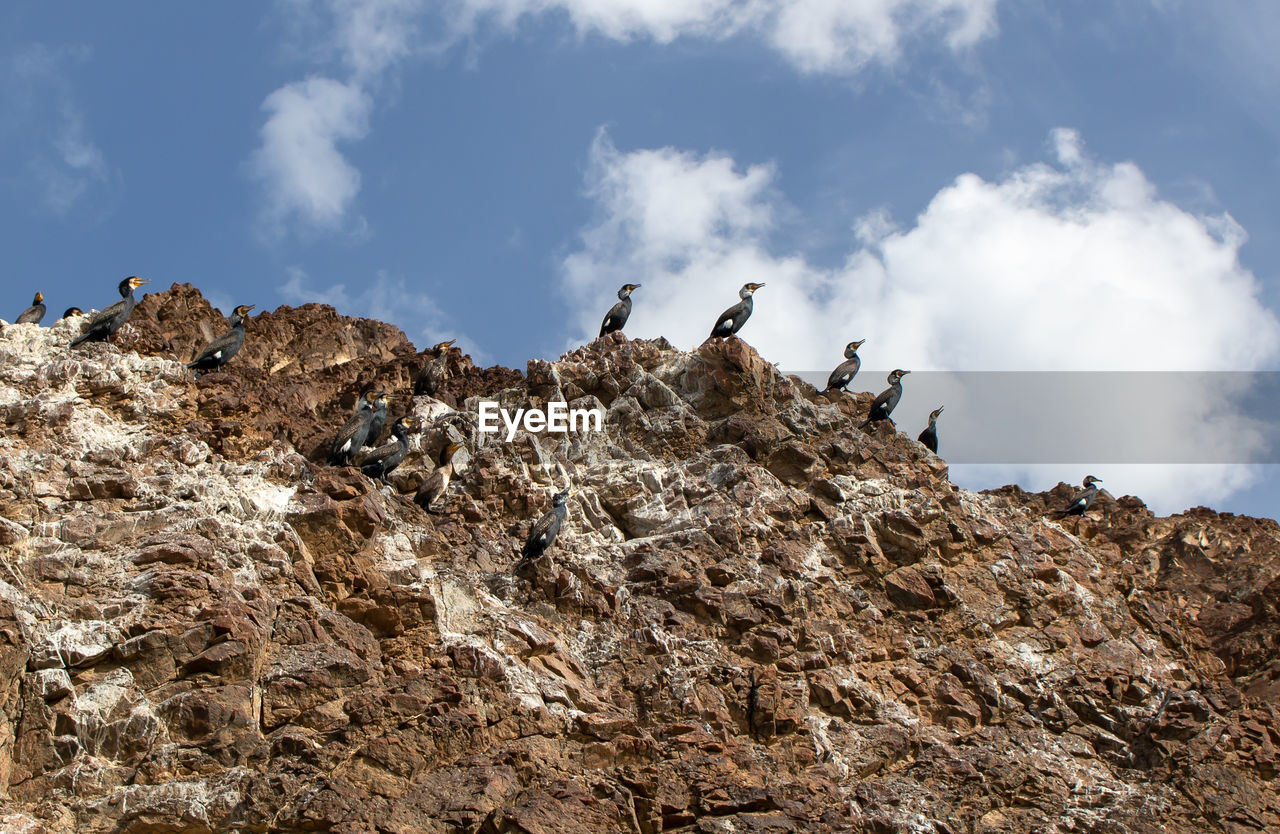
{"points": [[887, 400], [731, 320], [377, 422], [381, 461], [618, 314], [219, 352], [72, 311], [435, 372], [353, 433], [544, 532], [1081, 500], [846, 370], [437, 483], [34, 313], [107, 322], [929, 437]]}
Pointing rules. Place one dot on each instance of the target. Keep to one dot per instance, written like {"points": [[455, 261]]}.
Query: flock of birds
{"points": [[365, 425]]}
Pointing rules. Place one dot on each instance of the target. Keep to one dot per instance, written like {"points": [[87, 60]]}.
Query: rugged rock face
{"points": [[757, 618]]}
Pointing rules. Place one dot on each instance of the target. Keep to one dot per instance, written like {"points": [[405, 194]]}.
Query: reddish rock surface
{"points": [[757, 618]]}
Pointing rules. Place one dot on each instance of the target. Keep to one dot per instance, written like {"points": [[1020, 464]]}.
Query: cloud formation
{"points": [[817, 36], [308, 184], [62, 158], [1072, 264], [306, 181]]}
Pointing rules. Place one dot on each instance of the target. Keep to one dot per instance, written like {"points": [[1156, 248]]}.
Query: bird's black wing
{"points": [[351, 435], [929, 437], [220, 350], [843, 374], [31, 315], [541, 535], [882, 405], [724, 324], [614, 319]]}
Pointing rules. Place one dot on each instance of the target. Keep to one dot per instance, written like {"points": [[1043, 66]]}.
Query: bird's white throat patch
{"points": [[557, 418]]}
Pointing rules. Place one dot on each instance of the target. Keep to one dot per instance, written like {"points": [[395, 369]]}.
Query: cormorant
{"points": [[219, 352], [435, 372], [887, 399], [72, 311], [846, 370], [436, 485], [618, 314], [353, 433], [34, 313], [542, 534], [929, 437], [1081, 500], [731, 320], [377, 422], [381, 461], [107, 322]]}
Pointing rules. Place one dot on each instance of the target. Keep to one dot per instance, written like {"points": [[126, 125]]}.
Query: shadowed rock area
{"points": [[757, 617]]}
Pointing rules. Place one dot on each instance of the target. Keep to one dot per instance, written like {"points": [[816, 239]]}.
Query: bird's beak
{"points": [[449, 343], [249, 307], [904, 373], [138, 282], [940, 408]]}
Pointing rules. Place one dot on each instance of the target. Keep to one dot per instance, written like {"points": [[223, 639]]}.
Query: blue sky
{"points": [[493, 169]]}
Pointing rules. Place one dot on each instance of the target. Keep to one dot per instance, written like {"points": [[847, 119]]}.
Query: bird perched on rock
{"points": [[220, 351], [544, 532], [887, 400], [436, 485], [929, 437], [378, 420], [731, 320], [34, 313], [1081, 501], [107, 322], [354, 432], [846, 370], [381, 461], [618, 314], [435, 372], [72, 311]]}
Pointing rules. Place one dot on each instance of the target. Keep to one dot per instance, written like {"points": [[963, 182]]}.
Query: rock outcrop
{"points": [[757, 617]]}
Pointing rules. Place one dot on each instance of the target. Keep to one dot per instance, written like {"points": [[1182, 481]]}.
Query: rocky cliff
{"points": [[757, 619]]}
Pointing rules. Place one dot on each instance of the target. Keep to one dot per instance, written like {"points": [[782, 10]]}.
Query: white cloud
{"points": [[305, 179], [63, 159], [821, 36], [384, 298], [1076, 265], [302, 172]]}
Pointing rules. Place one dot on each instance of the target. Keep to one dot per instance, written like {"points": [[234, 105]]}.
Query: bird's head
{"points": [[1089, 481], [72, 311], [442, 347], [559, 499], [933, 415], [243, 310], [39, 298], [450, 449], [627, 289], [852, 348], [131, 283], [748, 289], [897, 375]]}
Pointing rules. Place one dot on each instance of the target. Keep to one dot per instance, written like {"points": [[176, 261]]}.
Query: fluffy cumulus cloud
{"points": [[1069, 265], [306, 181], [299, 165], [829, 36]]}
